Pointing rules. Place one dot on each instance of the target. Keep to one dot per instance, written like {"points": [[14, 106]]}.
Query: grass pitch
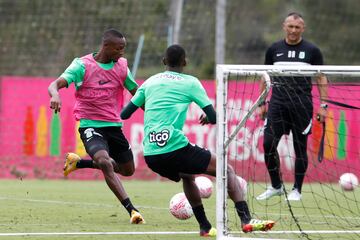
{"points": [[61, 206], [64, 209]]}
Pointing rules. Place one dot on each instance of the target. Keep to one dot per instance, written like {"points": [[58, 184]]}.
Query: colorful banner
{"points": [[34, 140]]}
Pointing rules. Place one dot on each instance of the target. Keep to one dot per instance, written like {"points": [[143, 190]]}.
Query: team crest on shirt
{"points": [[160, 138], [301, 55]]}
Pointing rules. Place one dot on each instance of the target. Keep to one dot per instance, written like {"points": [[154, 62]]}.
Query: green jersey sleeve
{"points": [[74, 73], [199, 94], [139, 98], [130, 83]]}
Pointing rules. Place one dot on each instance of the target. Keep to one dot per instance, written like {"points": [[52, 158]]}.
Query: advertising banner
{"points": [[34, 140]]}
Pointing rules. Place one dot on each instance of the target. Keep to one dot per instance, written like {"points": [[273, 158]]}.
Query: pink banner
{"points": [[341, 151], [33, 140]]}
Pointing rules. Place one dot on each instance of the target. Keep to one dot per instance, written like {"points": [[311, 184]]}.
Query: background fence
{"points": [[41, 37]]}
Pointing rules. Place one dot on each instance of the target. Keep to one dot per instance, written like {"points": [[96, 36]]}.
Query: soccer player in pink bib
{"points": [[100, 79]]}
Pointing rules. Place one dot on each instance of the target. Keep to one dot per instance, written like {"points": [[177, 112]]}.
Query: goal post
{"points": [[239, 132], [222, 74]]}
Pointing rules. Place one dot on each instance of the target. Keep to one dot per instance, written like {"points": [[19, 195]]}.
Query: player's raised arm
{"points": [[53, 89]]}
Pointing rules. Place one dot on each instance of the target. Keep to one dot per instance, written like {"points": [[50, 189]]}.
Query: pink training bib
{"points": [[100, 97]]}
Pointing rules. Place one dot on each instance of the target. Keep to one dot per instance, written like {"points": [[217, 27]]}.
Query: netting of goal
{"points": [[326, 211]]}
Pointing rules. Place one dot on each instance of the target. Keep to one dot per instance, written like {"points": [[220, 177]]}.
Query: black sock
{"points": [[128, 205], [200, 216], [85, 164], [243, 211]]}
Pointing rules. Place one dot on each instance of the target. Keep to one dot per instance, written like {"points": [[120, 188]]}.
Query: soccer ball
{"points": [[180, 207], [243, 185], [348, 181], [205, 186]]}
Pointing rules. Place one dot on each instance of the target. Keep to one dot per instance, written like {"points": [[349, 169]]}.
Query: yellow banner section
{"points": [[42, 133]]}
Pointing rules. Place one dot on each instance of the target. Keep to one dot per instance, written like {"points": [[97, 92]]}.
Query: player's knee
{"points": [[104, 164], [125, 169], [127, 172]]}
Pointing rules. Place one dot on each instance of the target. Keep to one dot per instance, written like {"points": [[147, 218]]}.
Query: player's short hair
{"points": [[295, 15], [174, 55], [111, 32]]}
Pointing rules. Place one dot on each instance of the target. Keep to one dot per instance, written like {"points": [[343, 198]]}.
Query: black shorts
{"points": [[110, 139], [190, 159], [295, 116]]}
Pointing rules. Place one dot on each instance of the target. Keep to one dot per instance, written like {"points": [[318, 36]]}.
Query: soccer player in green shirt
{"points": [[167, 150]]}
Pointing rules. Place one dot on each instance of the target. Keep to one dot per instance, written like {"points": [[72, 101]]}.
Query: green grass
{"points": [[38, 206], [89, 206]]}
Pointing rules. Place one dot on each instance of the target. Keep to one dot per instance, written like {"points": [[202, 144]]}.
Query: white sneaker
{"points": [[294, 195], [270, 192]]}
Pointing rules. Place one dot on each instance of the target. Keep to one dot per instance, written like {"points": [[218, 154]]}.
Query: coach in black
{"points": [[290, 106]]}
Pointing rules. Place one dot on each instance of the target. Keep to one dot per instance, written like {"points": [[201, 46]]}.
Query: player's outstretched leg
{"points": [[71, 159], [193, 195], [248, 224]]}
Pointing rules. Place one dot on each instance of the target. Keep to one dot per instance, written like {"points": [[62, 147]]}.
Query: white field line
{"points": [[72, 203], [311, 216], [94, 233], [310, 232], [150, 207], [164, 233]]}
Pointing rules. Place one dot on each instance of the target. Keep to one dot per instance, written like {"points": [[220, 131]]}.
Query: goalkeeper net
{"points": [[327, 209]]}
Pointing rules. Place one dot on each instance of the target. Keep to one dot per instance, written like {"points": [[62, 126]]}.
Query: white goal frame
{"points": [[223, 138]]}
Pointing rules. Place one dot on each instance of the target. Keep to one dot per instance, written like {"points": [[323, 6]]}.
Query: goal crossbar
{"points": [[285, 70]]}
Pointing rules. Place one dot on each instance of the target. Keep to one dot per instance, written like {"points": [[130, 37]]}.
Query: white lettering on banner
{"points": [[210, 141], [136, 137], [247, 106], [194, 111], [256, 153], [240, 149], [239, 110], [203, 134], [236, 106], [286, 151], [247, 146], [199, 132]]}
